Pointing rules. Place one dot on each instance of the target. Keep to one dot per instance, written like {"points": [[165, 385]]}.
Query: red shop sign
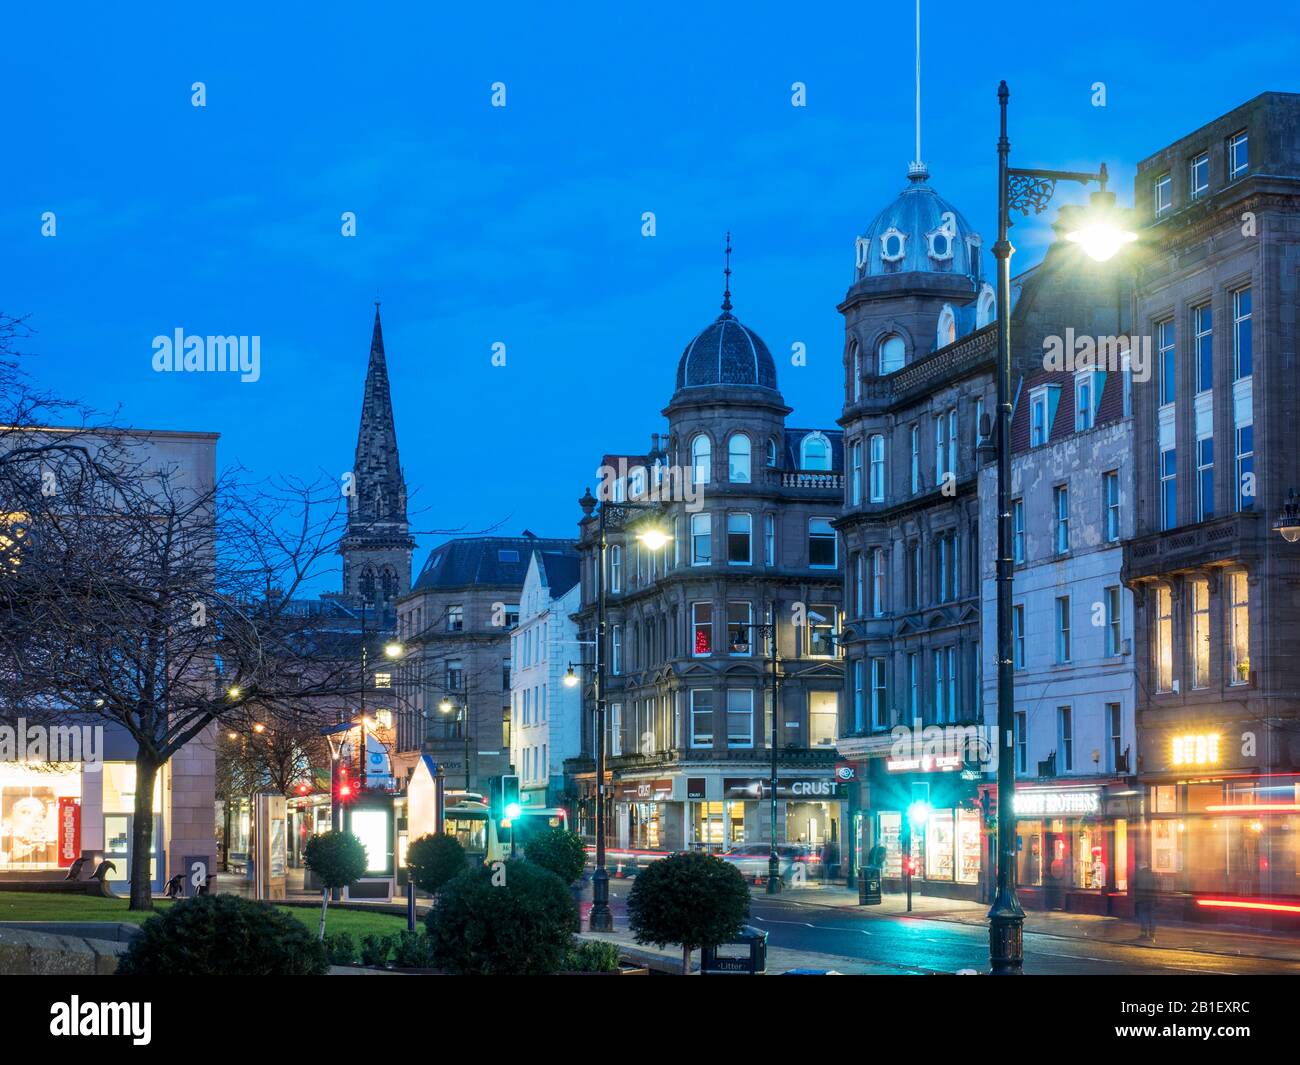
{"points": [[69, 830]]}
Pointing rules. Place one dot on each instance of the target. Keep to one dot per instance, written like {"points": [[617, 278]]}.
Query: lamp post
{"points": [[462, 718], [615, 515], [1101, 236]]}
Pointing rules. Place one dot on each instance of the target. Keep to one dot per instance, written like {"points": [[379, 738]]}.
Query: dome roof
{"points": [[726, 353], [920, 232]]}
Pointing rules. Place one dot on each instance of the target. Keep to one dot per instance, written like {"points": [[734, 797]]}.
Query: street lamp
{"points": [[615, 515], [462, 716], [1101, 235], [570, 678], [393, 649], [1288, 523]]}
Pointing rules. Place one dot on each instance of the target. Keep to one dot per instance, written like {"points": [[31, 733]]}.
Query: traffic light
{"points": [[510, 807], [344, 788]]}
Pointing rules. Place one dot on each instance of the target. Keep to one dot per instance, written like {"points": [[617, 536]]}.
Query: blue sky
{"points": [[522, 225]]}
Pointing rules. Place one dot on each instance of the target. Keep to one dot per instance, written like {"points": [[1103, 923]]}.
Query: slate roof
{"points": [[917, 212], [726, 353], [794, 440], [561, 569], [492, 561]]}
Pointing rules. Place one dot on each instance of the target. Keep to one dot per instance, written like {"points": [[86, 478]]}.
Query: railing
{"points": [[810, 479]]}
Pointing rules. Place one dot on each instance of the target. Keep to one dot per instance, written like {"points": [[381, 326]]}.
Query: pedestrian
{"points": [[1144, 901]]}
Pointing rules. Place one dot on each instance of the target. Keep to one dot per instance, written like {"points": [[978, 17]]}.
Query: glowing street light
{"points": [[393, 649], [653, 538], [570, 678], [1099, 233]]}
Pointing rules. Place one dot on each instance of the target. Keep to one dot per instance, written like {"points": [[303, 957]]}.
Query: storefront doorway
{"points": [[118, 834]]}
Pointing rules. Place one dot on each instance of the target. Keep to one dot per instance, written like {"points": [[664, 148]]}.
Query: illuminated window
{"points": [[1239, 625], [702, 627], [1200, 633], [1164, 639]]}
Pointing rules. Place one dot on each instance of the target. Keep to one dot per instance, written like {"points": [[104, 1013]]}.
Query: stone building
{"points": [[547, 712], [455, 624], [690, 680], [1217, 453]]}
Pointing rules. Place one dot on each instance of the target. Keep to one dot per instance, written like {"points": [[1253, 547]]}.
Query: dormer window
{"points": [[947, 332], [815, 452], [893, 244], [863, 251], [985, 306], [940, 244]]}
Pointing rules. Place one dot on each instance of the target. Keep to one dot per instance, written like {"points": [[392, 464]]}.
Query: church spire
{"points": [[377, 546], [726, 282]]}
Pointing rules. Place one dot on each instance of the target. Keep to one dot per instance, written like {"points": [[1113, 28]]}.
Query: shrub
{"points": [[412, 950], [435, 859], [592, 956], [560, 851], [511, 918], [223, 935], [691, 899], [375, 950], [339, 860], [340, 948]]}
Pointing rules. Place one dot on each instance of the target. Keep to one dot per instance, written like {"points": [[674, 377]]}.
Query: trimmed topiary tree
{"points": [[508, 919], [435, 859], [560, 851], [223, 935], [339, 860], [691, 899]]}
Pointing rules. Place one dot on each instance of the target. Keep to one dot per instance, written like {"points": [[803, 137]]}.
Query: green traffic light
{"points": [[512, 810]]}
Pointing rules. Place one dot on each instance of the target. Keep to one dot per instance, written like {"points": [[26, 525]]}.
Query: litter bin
{"points": [[869, 886], [751, 962]]}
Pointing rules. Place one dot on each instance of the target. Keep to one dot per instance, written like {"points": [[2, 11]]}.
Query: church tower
{"points": [[377, 545]]}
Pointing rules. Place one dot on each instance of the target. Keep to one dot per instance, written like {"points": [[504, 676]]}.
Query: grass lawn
{"points": [[42, 906]]}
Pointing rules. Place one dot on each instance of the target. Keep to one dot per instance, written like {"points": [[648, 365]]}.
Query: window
{"points": [[1061, 495], [615, 569], [877, 469], [877, 582], [740, 718], [1164, 639], [1114, 737], [940, 706], [1168, 488], [821, 543], [456, 618], [701, 458], [879, 702], [1203, 346], [855, 475], [1110, 493], [1241, 334], [1114, 621], [891, 354], [1065, 738], [859, 697], [821, 630], [815, 452], [1062, 628], [952, 441], [702, 626], [823, 719], [455, 674], [616, 649], [1239, 627], [1018, 530], [1238, 155], [1245, 467], [916, 459], [1083, 401], [1166, 359], [855, 368], [1198, 177], [701, 539], [769, 539], [1038, 419], [615, 726], [913, 686], [945, 685], [945, 567], [940, 448], [739, 529], [1163, 189], [1205, 478], [1022, 743], [701, 717], [738, 459], [940, 245], [740, 629], [1200, 633], [913, 575], [1018, 636]]}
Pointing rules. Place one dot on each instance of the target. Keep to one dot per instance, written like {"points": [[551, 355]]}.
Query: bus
{"points": [[467, 817]]}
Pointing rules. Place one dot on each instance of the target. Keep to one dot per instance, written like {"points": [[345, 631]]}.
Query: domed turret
{"points": [[726, 353], [920, 232]]}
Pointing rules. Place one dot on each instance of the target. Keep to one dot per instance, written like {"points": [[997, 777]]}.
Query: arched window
{"points": [[890, 354], [738, 458], [815, 452], [947, 327], [877, 469], [701, 458], [368, 585], [855, 365], [389, 584], [771, 452], [985, 307]]}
